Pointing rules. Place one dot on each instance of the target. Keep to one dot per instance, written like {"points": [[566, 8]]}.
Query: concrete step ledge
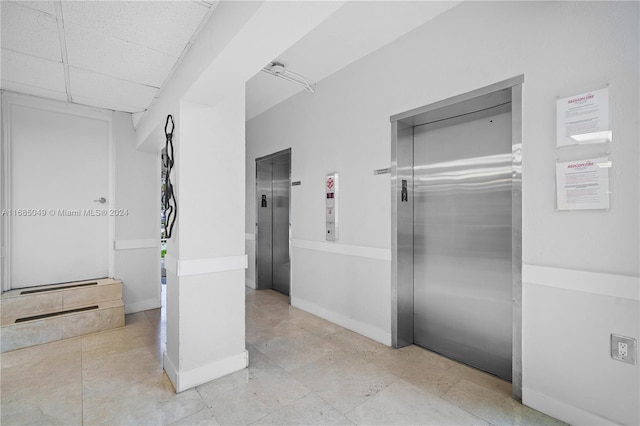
{"points": [[108, 315], [58, 297]]}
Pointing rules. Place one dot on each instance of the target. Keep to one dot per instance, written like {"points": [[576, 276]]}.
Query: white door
{"points": [[59, 166]]}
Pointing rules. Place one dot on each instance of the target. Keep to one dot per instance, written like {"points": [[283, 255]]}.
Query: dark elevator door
{"points": [[272, 249]]}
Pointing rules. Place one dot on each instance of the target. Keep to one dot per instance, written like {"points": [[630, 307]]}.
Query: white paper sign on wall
{"points": [[583, 184], [583, 118]]}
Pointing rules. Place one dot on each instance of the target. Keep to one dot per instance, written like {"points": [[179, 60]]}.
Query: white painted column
{"points": [[206, 256]]}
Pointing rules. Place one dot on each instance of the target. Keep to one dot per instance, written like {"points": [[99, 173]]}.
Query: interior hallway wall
{"points": [[137, 234], [580, 268]]}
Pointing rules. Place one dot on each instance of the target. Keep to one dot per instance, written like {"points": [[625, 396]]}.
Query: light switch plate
{"points": [[623, 348]]}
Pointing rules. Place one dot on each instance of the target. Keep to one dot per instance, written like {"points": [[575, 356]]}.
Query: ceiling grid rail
{"points": [[63, 47]]}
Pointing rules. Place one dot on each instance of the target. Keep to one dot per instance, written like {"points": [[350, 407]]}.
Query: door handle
{"points": [[404, 193], [100, 200]]}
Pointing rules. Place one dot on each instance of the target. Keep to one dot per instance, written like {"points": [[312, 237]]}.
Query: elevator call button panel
{"points": [[331, 191]]}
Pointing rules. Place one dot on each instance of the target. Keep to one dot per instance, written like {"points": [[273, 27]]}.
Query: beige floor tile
{"points": [[111, 342], [308, 410], [312, 323], [260, 331], [437, 359], [258, 360], [262, 393], [40, 369], [481, 378], [156, 317], [395, 361], [268, 297], [272, 312], [158, 348], [59, 405], [37, 354], [42, 384], [137, 319], [201, 418], [150, 402], [357, 344], [302, 370], [494, 406], [405, 404], [122, 369], [296, 349], [248, 395], [435, 373], [343, 379], [424, 373]]}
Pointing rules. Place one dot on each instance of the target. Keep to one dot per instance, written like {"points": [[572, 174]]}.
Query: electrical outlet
{"points": [[623, 348]]}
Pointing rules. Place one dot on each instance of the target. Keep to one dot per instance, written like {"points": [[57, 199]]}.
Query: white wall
{"points": [[58, 159], [134, 246], [562, 49], [205, 260], [137, 234]]}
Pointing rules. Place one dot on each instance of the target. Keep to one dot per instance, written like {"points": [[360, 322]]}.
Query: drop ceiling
{"points": [[119, 54], [108, 54]]}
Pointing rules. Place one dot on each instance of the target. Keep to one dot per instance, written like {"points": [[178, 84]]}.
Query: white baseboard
{"points": [[143, 305], [561, 410], [171, 370], [183, 380], [359, 327], [250, 283]]}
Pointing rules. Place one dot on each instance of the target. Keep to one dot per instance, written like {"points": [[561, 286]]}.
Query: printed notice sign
{"points": [[583, 184], [583, 118]]}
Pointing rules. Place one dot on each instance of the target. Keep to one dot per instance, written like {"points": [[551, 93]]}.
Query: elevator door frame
{"points": [[275, 155], [402, 259]]}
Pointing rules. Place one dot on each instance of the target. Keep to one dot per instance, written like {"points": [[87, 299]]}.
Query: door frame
{"points": [[9, 100], [257, 209], [402, 215]]}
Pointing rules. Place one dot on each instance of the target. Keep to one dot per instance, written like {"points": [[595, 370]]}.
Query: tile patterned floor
{"points": [[303, 371]]}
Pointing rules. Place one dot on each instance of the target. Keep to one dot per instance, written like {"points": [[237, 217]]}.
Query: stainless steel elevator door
{"points": [[281, 184], [462, 239], [273, 184], [264, 240]]}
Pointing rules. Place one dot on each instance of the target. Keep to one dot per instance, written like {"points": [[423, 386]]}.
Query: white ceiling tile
{"points": [[91, 85], [104, 103], [34, 91], [107, 55], [32, 71], [30, 31], [42, 5], [166, 26]]}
